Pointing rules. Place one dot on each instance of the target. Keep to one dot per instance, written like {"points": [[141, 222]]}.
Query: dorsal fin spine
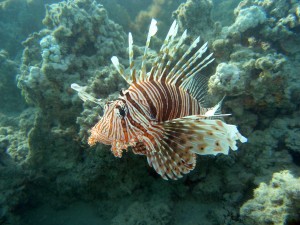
{"points": [[170, 51], [179, 43], [188, 63], [173, 52], [152, 32], [163, 52], [171, 31], [185, 74], [131, 61], [120, 68], [188, 74], [174, 69], [197, 69]]}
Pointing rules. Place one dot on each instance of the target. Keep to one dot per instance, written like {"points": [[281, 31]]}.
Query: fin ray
{"points": [[120, 69], [84, 96], [131, 61], [152, 32], [169, 158]]}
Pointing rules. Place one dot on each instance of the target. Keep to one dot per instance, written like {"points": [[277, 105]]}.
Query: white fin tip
{"points": [[85, 96], [115, 61], [153, 27], [77, 87], [173, 29], [130, 40]]}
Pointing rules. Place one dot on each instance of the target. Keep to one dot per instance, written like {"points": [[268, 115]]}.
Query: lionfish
{"points": [[162, 115]]}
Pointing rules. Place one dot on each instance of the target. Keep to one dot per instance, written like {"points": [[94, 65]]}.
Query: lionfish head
{"points": [[111, 128]]}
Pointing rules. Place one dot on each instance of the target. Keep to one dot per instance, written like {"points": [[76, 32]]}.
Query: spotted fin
{"points": [[139, 149], [174, 154], [204, 136], [170, 159]]}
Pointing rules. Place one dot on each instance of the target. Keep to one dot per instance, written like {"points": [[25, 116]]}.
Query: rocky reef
{"points": [[275, 203], [196, 25], [262, 62], [64, 52], [44, 158]]}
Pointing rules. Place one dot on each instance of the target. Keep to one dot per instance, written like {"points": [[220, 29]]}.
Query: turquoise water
{"points": [[51, 175]]}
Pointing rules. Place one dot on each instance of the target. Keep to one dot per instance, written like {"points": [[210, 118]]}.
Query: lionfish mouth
{"points": [[94, 138], [117, 146]]}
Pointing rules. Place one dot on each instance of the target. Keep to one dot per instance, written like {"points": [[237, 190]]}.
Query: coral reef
{"points": [[13, 154], [284, 18], [257, 66], [247, 18], [13, 134], [196, 23], [70, 51], [43, 156], [259, 73], [75, 47], [277, 203], [222, 11], [228, 78]]}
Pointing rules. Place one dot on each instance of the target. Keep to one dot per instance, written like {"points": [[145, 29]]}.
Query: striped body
{"points": [[161, 114], [136, 115], [163, 101]]}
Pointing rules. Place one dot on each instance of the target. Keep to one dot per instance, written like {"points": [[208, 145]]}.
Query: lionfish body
{"points": [[161, 115]]}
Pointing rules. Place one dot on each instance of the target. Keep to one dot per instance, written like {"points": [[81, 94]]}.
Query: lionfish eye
{"points": [[122, 112]]}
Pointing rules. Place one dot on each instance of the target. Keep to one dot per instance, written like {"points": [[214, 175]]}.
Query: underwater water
{"points": [[49, 172]]}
